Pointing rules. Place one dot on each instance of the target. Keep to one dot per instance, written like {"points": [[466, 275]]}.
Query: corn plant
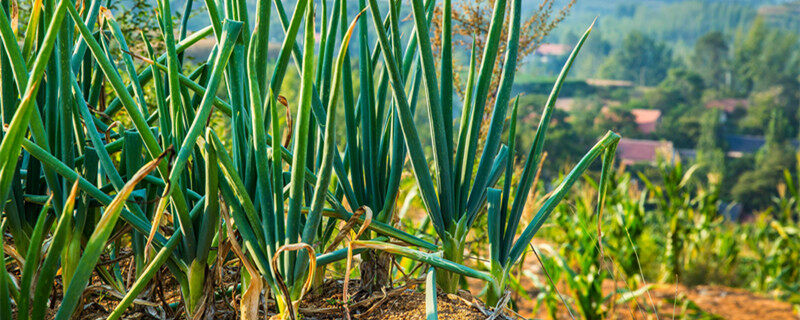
{"points": [[626, 206], [589, 252], [582, 259], [672, 198], [788, 201], [770, 247]]}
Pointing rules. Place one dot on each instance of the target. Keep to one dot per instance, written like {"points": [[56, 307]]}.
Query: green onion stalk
{"points": [[454, 195], [34, 172], [375, 150], [282, 223], [506, 247], [447, 208]]}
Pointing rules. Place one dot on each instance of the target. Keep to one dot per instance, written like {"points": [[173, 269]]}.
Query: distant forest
{"points": [[679, 24]]}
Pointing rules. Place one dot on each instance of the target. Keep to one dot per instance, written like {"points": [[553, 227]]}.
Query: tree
{"points": [[593, 53], [764, 58], [471, 20], [640, 58], [776, 139], [710, 146], [763, 103], [684, 86], [710, 59], [136, 17], [680, 127], [618, 119], [755, 188]]}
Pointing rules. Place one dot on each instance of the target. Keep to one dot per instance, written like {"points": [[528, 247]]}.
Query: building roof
{"points": [[609, 83], [566, 104], [636, 150], [739, 144], [647, 119], [743, 143], [727, 105], [646, 115], [553, 49]]}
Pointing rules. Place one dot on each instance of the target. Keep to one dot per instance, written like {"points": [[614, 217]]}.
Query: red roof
{"points": [[647, 119], [609, 83], [634, 150], [727, 105], [553, 49]]}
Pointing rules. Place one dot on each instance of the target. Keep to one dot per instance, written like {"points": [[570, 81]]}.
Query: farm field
{"points": [[400, 159]]}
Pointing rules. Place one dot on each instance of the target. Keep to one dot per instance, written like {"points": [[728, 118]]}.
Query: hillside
{"points": [[679, 22]]}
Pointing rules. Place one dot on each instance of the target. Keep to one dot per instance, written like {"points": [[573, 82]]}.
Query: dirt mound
{"points": [[670, 301], [393, 304], [720, 301]]}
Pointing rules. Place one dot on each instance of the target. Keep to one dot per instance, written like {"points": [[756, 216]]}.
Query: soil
{"points": [[720, 301], [670, 301], [408, 302], [664, 301], [395, 304]]}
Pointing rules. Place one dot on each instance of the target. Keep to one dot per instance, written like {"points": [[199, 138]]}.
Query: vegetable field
{"points": [[137, 183]]}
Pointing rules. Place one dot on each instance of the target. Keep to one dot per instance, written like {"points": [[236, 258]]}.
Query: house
{"points": [[739, 144], [728, 105], [632, 151], [552, 49], [647, 120], [566, 104], [609, 83], [547, 51]]}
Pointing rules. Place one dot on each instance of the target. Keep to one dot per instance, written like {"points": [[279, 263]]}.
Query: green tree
{"points": [[755, 188], [593, 53], [618, 119], [683, 86], [710, 146], [765, 57], [763, 103], [710, 59], [640, 58], [776, 138], [680, 127], [568, 141]]}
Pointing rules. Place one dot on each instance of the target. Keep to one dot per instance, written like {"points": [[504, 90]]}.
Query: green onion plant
{"points": [[137, 137], [462, 193], [375, 152]]}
